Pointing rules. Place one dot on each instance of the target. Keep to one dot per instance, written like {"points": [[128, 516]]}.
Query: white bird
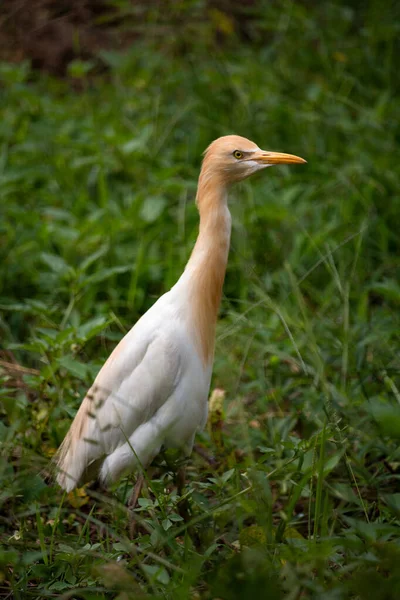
{"points": [[153, 389]]}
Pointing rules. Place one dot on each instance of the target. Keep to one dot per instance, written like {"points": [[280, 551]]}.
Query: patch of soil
{"points": [[51, 33]]}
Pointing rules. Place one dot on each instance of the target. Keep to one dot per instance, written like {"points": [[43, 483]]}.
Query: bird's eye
{"points": [[237, 154]]}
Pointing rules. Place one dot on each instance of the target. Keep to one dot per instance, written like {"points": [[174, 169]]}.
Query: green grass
{"points": [[97, 183]]}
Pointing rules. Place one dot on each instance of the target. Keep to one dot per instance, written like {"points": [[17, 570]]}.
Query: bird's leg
{"points": [[132, 502], [183, 503], [136, 491], [180, 479], [183, 506]]}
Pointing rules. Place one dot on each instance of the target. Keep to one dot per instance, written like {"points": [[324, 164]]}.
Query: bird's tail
{"points": [[70, 460]]}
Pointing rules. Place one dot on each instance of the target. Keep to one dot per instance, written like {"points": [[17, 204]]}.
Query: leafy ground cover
{"points": [[97, 184]]}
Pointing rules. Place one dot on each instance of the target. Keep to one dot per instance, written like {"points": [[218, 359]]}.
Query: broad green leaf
{"points": [[152, 208], [92, 327], [387, 416], [74, 367], [104, 274], [55, 262]]}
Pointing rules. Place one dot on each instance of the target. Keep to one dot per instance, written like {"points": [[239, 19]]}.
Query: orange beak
{"points": [[277, 158]]}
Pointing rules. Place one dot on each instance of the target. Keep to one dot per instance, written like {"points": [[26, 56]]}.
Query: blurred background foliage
{"points": [[105, 110]]}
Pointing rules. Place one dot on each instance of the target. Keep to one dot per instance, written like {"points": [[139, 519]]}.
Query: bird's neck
{"points": [[205, 271]]}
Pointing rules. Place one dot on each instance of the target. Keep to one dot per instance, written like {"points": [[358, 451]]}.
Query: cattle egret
{"points": [[152, 391]]}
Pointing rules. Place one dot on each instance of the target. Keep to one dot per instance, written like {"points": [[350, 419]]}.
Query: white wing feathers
{"points": [[130, 409]]}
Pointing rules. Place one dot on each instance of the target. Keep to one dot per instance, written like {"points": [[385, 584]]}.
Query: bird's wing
{"points": [[137, 379]]}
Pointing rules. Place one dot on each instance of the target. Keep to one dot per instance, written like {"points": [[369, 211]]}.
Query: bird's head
{"points": [[232, 158]]}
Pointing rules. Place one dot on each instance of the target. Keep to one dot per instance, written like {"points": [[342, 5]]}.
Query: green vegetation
{"points": [[97, 180]]}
